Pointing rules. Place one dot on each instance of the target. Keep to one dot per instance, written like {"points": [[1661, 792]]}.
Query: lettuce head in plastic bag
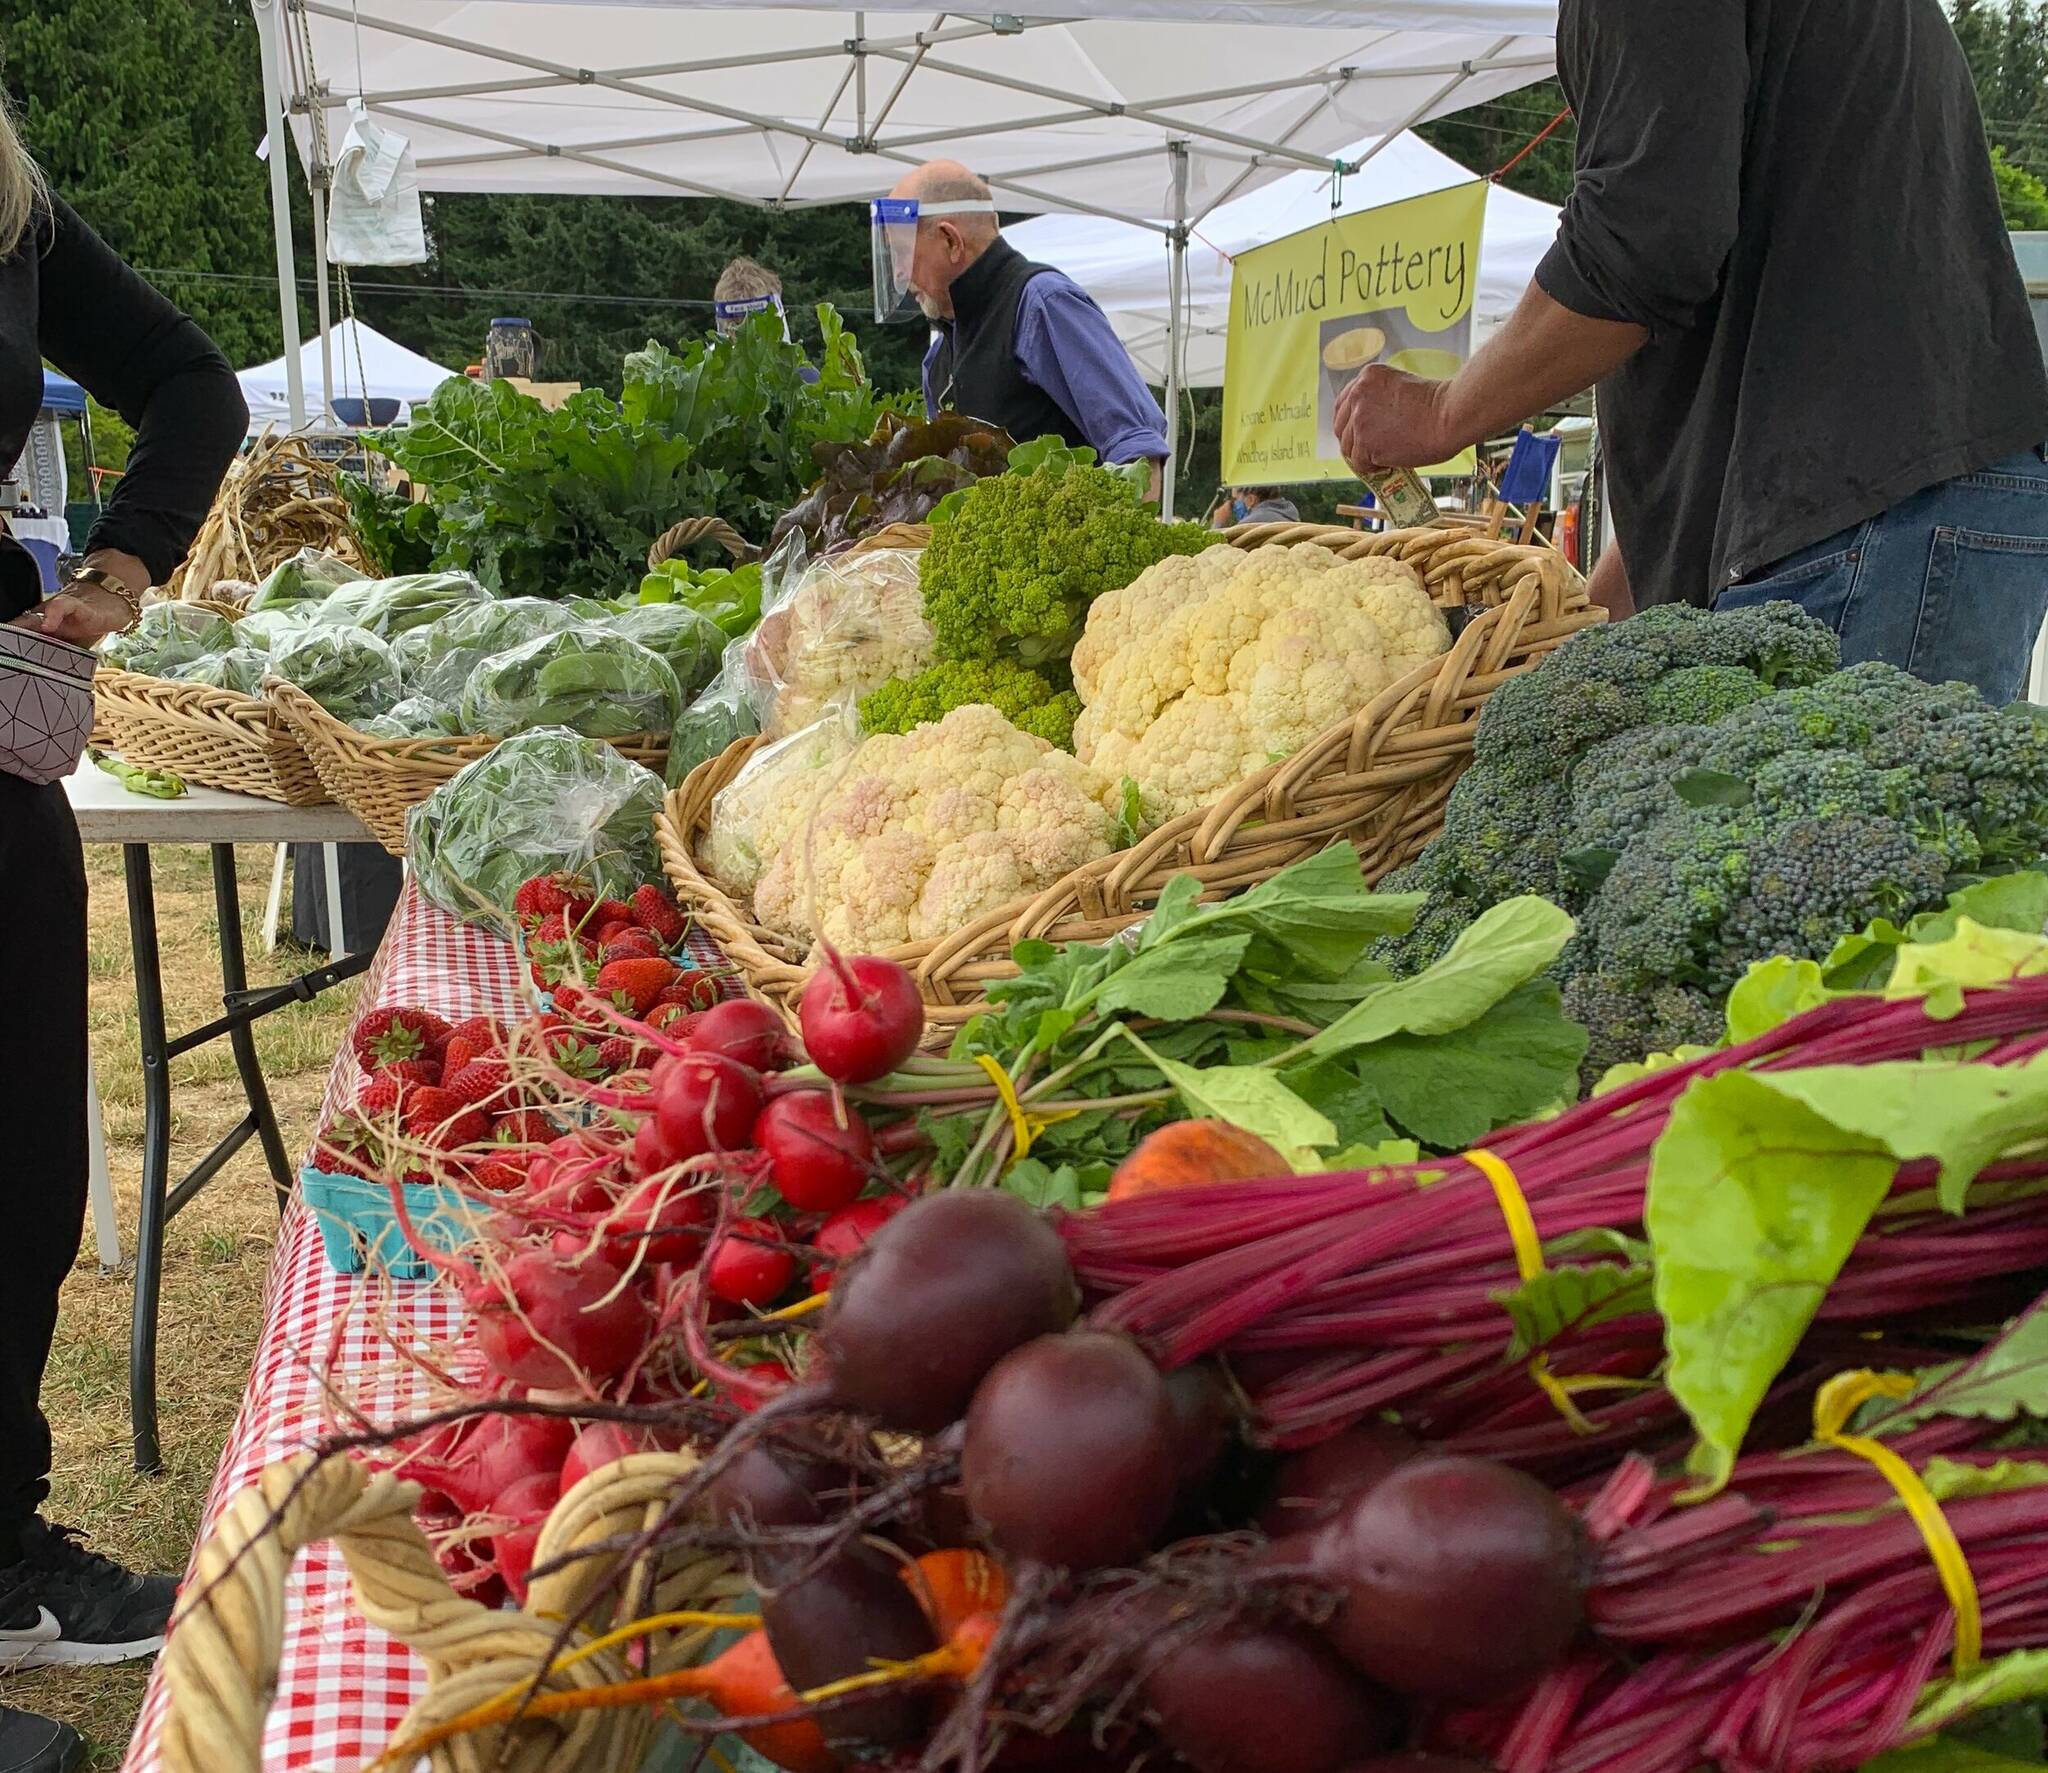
{"points": [[264, 628], [586, 678], [308, 577], [543, 801], [348, 671], [167, 636], [436, 661], [390, 607], [416, 717], [688, 639]]}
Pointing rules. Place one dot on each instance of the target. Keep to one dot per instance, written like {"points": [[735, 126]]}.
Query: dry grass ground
{"points": [[214, 1256]]}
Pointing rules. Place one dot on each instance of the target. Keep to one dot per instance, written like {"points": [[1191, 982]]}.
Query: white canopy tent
{"points": [[1145, 109], [362, 364], [1128, 270]]}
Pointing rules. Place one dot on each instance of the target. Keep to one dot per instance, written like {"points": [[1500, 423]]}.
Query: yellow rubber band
{"points": [[1514, 1208], [1562, 1391], [1024, 1125], [1839, 1399], [802, 1308]]}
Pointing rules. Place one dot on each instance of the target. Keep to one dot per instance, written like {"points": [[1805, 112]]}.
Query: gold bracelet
{"points": [[101, 579]]}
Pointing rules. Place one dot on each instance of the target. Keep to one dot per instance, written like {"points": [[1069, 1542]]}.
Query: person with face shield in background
{"points": [[743, 290], [1018, 344]]}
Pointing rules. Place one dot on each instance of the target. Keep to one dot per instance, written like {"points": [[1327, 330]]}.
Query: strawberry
{"points": [[655, 912], [485, 1034], [693, 988], [524, 1126], [551, 928], [481, 1083], [633, 945], [613, 931], [609, 911], [635, 984], [379, 1096], [574, 1051], [495, 1176], [456, 1054], [673, 1020], [411, 1071], [443, 1120], [534, 900], [571, 1001], [385, 1036], [617, 1053], [437, 1033], [348, 1148]]}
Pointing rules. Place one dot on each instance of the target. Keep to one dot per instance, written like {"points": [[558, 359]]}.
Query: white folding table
{"points": [[109, 813]]}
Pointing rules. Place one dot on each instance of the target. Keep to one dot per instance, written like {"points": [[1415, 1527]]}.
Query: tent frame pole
{"points": [[319, 178], [271, 39], [1176, 288]]}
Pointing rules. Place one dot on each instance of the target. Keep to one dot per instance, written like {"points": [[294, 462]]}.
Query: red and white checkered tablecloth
{"points": [[344, 1687]]}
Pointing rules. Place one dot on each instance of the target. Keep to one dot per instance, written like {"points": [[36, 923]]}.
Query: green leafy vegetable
{"points": [[594, 682]]}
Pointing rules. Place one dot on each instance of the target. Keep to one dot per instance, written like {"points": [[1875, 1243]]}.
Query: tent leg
{"points": [[323, 313], [269, 30], [1176, 290]]}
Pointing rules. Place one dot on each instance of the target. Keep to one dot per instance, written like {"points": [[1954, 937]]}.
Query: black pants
{"points": [[43, 1060], [370, 883]]}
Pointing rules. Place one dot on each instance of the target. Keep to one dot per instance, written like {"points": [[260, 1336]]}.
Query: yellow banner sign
{"points": [[1393, 285]]}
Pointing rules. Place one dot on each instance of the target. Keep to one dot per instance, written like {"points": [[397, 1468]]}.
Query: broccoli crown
{"points": [[1987, 770], [1624, 1024], [1780, 642], [1554, 718], [1012, 572], [1502, 829], [1439, 923], [1699, 695], [1622, 785], [1023, 697]]}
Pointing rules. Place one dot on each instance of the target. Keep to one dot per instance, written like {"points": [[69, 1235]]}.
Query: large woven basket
{"points": [[210, 736], [220, 1663], [1379, 779], [381, 780]]}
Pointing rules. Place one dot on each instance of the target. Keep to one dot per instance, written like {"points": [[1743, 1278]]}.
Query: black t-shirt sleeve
{"points": [[108, 330], [1659, 88]]}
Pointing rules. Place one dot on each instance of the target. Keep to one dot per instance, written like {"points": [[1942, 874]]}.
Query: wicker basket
{"points": [[678, 536], [1380, 779], [381, 780], [220, 1664], [210, 736]]}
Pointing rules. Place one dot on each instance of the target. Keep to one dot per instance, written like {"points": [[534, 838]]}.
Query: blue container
{"points": [[358, 1229]]}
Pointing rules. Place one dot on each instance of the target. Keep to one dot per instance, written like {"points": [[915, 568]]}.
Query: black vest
{"points": [[976, 370]]}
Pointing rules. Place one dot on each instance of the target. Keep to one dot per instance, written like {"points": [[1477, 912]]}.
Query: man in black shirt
{"points": [[1784, 266]]}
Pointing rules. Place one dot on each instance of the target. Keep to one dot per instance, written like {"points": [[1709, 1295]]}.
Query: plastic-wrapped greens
{"points": [[688, 639], [543, 801], [389, 607], [591, 609], [722, 712], [348, 671], [263, 628], [436, 661], [766, 804], [240, 669], [168, 635], [585, 678], [416, 717], [308, 577]]}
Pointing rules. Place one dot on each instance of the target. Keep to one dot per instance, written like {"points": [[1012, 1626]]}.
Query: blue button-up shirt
{"points": [[1067, 348]]}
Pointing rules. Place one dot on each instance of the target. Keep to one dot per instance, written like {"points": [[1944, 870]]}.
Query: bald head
{"points": [[946, 244]]}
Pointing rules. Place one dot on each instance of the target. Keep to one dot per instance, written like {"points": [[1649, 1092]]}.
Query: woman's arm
{"points": [[108, 330]]}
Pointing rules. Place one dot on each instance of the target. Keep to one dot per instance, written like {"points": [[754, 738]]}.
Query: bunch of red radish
{"points": [[633, 1248]]}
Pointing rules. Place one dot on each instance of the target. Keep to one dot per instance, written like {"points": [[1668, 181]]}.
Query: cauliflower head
{"points": [[1206, 669], [926, 831], [854, 623]]}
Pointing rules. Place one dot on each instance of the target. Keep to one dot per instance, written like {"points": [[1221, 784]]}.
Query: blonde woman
{"points": [[65, 297]]}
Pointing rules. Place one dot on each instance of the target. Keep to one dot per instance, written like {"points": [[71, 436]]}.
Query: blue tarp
{"points": [[61, 393]]}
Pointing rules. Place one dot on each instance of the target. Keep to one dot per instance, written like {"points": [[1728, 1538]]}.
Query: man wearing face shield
{"points": [[1018, 344], [743, 290]]}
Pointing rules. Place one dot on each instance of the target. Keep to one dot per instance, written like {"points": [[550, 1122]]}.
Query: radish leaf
{"points": [[2005, 1380], [1559, 1299]]}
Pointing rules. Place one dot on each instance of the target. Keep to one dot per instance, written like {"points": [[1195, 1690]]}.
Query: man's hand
{"points": [[82, 615], [1390, 419]]}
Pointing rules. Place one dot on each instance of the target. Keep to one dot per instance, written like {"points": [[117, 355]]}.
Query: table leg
{"points": [[106, 1228], [234, 978], [156, 1154]]}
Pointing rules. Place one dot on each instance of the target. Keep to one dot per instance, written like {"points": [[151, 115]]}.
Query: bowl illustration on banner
{"points": [[1353, 348], [1344, 347], [1433, 366]]}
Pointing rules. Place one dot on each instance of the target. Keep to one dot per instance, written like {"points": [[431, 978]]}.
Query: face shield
{"points": [[729, 317], [896, 222]]}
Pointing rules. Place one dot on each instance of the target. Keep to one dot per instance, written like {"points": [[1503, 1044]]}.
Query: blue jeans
{"points": [[1950, 584]]}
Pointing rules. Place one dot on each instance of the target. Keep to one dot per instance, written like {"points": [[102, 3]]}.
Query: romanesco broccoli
{"points": [[1025, 698]]}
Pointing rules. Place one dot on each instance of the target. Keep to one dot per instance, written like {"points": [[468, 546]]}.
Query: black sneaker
{"points": [[32, 1744], [63, 1606]]}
